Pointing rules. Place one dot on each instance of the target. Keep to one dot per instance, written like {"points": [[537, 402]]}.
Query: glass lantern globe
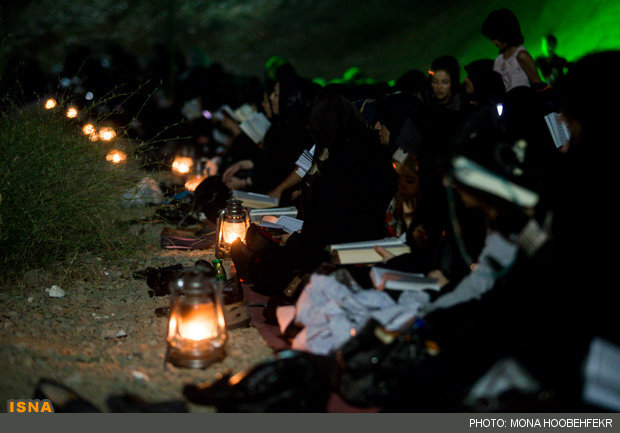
{"points": [[196, 328], [232, 224]]}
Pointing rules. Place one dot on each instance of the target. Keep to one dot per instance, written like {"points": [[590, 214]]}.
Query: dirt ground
{"points": [[77, 339]]}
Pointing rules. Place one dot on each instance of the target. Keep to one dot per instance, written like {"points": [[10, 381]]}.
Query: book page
{"points": [[367, 255], [290, 225]]}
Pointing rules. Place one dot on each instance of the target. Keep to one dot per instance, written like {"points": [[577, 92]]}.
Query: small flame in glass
{"points": [[232, 231], [182, 164], [198, 325], [72, 112], [116, 156], [88, 129], [107, 134], [50, 103], [192, 182]]}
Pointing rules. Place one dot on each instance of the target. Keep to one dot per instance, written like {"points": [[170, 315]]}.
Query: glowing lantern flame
{"points": [[182, 164], [50, 103], [93, 137], [72, 113], [233, 231], [116, 156], [192, 182], [196, 328], [88, 129], [199, 324], [107, 134]]}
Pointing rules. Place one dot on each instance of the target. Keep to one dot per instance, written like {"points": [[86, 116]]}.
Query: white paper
{"points": [[602, 376]]}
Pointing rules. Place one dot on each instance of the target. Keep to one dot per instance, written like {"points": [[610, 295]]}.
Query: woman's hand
{"points": [[277, 193], [439, 276], [245, 164], [385, 254], [236, 183]]}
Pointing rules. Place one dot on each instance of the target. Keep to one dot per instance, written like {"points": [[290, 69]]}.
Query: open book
{"points": [[255, 200], [219, 114], [558, 129], [364, 252], [288, 224], [257, 214], [256, 127], [384, 278], [244, 112]]}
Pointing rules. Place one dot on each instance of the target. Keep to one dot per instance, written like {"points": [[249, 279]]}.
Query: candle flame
{"points": [[107, 134], [182, 164], [198, 325], [116, 156], [231, 231], [88, 129], [72, 112], [192, 182], [50, 103]]}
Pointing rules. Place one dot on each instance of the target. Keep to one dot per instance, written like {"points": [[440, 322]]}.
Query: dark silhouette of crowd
{"points": [[513, 226]]}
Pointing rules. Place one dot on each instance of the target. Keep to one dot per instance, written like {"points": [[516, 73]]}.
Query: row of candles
{"points": [[181, 165], [104, 133]]}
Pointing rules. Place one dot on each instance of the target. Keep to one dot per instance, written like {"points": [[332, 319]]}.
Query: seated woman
{"points": [[444, 84], [285, 140], [345, 198]]}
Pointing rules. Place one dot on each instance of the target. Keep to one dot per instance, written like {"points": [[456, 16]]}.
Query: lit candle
{"points": [[50, 103], [192, 182], [231, 231], [88, 129], [182, 164], [72, 112], [116, 156], [198, 324], [107, 134]]}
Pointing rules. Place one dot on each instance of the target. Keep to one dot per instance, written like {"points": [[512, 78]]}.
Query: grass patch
{"points": [[59, 196]]}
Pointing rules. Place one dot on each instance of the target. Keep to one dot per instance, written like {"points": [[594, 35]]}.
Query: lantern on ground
{"points": [[50, 103], [196, 328], [232, 223], [182, 164]]}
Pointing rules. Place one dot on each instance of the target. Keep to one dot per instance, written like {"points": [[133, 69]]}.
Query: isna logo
{"points": [[30, 406]]}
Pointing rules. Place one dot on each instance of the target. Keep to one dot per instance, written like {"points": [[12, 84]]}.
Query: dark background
{"points": [[322, 38]]}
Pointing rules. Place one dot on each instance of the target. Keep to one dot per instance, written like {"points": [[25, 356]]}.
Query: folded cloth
{"points": [[331, 313]]}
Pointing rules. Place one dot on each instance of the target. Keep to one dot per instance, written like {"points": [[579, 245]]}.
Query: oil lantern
{"points": [[232, 223], [196, 328]]}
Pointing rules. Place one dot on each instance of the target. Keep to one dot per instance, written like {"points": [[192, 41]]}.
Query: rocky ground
{"points": [[102, 337]]}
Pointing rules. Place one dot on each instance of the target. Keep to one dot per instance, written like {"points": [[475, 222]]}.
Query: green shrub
{"points": [[59, 195]]}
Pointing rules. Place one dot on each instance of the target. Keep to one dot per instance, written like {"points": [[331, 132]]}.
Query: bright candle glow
{"points": [[232, 231], [192, 182], [72, 113], [199, 324], [500, 109], [116, 156], [107, 134], [50, 103], [88, 129], [182, 164]]}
